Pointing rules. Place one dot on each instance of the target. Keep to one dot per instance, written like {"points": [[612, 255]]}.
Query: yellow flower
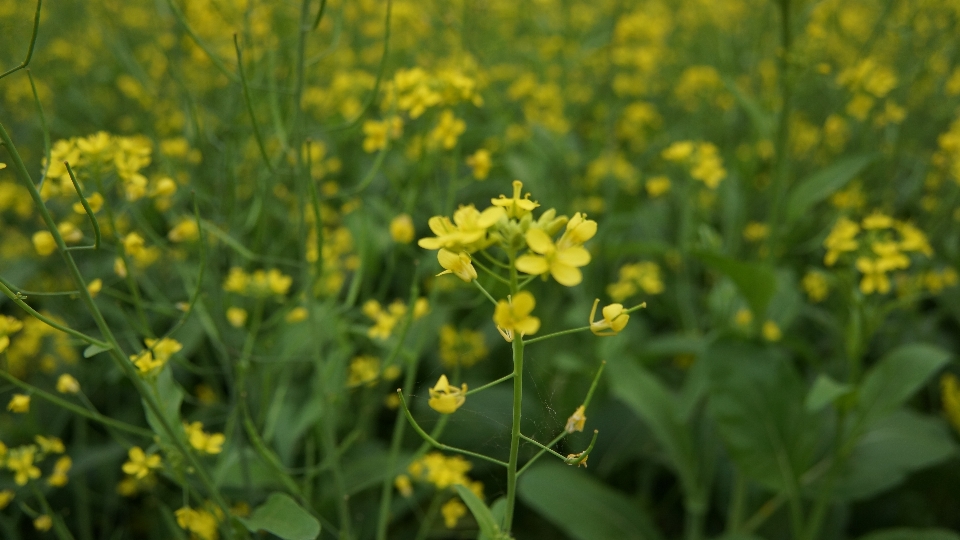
{"points": [[201, 523], [43, 523], [401, 229], [516, 206], [842, 238], [770, 331], [446, 399], [678, 151], [58, 478], [467, 231], [877, 220], [480, 163], [236, 316], [657, 186], [816, 286], [403, 485], [743, 317], [452, 511], [20, 403], [210, 443], [913, 239], [94, 287], [614, 319], [363, 370], [146, 363], [50, 445], [755, 231], [20, 462], [563, 263], [95, 201], [164, 348], [448, 130], [237, 281], [874, 277], [44, 243], [513, 315], [140, 463], [5, 497], [458, 264], [186, 230], [297, 314], [576, 420]]}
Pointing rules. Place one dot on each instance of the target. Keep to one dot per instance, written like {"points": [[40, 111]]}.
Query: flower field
{"points": [[532, 269]]}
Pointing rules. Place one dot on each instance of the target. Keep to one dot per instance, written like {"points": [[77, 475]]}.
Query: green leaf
{"points": [[499, 511], [659, 408], [825, 391], [283, 517], [894, 447], [912, 534], [94, 350], [756, 281], [171, 397], [756, 399], [582, 506], [819, 185], [896, 377], [483, 515]]}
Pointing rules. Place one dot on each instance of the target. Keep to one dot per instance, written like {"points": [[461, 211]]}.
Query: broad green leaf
{"points": [[819, 185], [94, 350], [896, 377], [483, 515], [894, 447], [756, 399], [912, 534], [825, 391], [582, 506], [659, 408], [283, 517], [756, 281], [499, 510]]}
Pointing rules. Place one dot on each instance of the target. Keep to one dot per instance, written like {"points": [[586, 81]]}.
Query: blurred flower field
{"points": [[532, 269]]}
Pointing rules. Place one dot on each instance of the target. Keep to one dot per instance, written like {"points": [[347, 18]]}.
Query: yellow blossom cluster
{"points": [[202, 523], [259, 283], [37, 340], [22, 462], [702, 158], [385, 320], [364, 369], [152, 360], [635, 277], [208, 443], [96, 155], [461, 347]]}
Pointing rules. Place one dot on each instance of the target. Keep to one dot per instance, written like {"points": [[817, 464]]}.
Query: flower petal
{"points": [[532, 264], [539, 241], [565, 274], [574, 256], [528, 326], [523, 303]]}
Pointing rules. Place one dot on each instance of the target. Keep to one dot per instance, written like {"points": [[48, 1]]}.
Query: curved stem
{"points": [[494, 383], [18, 300], [439, 445], [485, 292], [33, 41]]}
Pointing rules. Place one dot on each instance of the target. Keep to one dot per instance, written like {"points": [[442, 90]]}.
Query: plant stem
{"points": [[517, 404]]}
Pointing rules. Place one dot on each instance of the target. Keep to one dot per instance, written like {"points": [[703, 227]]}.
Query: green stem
{"points": [[494, 383], [76, 409], [174, 434], [543, 447], [781, 166], [493, 274], [409, 379], [16, 298], [86, 207], [517, 407], [484, 291], [246, 98], [439, 445], [33, 41]]}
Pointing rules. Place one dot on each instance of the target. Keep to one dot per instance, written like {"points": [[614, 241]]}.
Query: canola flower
{"points": [[445, 398]]}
